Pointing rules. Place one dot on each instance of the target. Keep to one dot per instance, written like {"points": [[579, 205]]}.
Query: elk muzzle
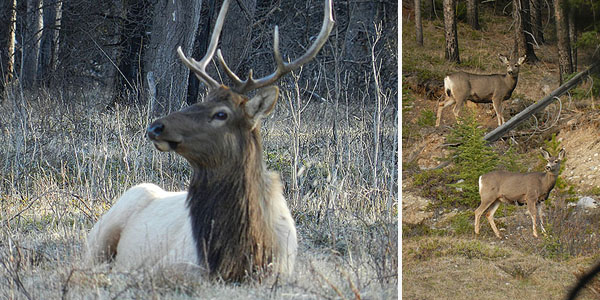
{"points": [[162, 141]]}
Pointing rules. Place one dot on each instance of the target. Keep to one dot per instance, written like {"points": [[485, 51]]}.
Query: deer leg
{"points": [[499, 110], [534, 216], [441, 107], [490, 216], [479, 211], [457, 108], [539, 211]]}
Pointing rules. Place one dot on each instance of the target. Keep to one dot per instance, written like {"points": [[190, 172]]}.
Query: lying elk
{"points": [[493, 88], [233, 221], [519, 189]]}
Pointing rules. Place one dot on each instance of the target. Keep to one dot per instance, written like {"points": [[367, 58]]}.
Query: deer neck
{"points": [[511, 80], [549, 180], [228, 220]]}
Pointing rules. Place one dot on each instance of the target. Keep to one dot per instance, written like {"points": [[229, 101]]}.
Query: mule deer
{"points": [[233, 221], [518, 189], [493, 88]]}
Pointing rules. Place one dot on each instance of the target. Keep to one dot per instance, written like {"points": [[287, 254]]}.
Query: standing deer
{"points": [[233, 221], [492, 88], [517, 188]]}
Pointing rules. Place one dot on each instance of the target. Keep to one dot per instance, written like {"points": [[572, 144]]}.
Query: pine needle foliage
{"points": [[472, 158], [458, 185]]}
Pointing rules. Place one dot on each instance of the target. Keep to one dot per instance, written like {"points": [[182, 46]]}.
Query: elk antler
{"points": [[199, 67], [244, 86]]}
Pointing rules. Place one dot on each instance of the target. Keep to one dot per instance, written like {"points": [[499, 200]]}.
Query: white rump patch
{"points": [[448, 84]]}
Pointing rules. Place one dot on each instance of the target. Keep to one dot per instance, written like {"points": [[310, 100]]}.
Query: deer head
{"points": [[512, 66]]}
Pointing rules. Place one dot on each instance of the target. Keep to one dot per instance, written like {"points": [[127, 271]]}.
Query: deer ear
{"points": [[503, 58], [545, 154], [261, 104], [521, 59], [561, 154]]}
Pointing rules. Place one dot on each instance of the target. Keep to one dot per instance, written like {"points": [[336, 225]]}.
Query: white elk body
{"points": [[150, 227]]}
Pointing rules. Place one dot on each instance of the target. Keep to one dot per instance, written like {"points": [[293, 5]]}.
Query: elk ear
{"points": [[521, 59], [261, 104]]}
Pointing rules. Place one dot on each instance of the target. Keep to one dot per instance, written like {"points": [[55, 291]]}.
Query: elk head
{"points": [[217, 126]]}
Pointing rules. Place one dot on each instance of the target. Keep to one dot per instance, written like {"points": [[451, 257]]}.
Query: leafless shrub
{"points": [[518, 271]]}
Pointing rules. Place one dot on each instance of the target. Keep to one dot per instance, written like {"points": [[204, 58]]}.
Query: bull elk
{"points": [[517, 188], [233, 221], [492, 88]]}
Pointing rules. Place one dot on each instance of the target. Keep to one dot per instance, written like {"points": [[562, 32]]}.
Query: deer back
{"points": [[481, 88], [515, 186]]}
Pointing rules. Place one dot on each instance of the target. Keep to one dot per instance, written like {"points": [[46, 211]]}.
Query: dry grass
{"points": [[66, 158], [488, 272]]}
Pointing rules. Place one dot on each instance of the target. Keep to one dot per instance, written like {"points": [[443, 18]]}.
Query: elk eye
{"points": [[220, 116]]}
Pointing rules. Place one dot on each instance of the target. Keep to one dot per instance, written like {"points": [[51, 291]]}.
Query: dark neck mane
{"points": [[228, 222]]}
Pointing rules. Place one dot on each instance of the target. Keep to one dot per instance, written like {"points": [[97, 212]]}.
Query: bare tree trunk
{"points": [[473, 14], [450, 31], [174, 24], [523, 36], [50, 38], [573, 38], [8, 13], [56, 36], [418, 23], [130, 52], [31, 44], [361, 14], [536, 20], [564, 46]]}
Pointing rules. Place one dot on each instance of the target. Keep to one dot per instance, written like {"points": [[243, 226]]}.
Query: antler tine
{"points": [[282, 67], [237, 81], [199, 67]]}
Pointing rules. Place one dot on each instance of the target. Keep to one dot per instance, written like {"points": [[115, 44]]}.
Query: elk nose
{"points": [[155, 130]]}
